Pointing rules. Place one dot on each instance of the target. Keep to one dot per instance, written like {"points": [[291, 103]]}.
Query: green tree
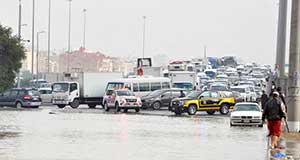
{"points": [[12, 53]]}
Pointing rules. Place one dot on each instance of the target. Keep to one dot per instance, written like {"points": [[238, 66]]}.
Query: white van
{"points": [[140, 85]]}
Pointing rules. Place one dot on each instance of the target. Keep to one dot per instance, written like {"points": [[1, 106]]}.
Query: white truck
{"points": [[183, 79], [82, 88]]}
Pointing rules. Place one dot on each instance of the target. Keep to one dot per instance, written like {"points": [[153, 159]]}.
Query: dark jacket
{"points": [[273, 110], [264, 100]]}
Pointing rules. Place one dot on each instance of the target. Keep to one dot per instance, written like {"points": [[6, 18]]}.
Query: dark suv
{"points": [[20, 97], [161, 98]]}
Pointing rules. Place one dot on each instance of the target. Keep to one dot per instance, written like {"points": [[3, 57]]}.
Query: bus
{"points": [[140, 85]]}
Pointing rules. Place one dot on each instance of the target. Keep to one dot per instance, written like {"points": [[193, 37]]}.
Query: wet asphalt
{"points": [[50, 133]]}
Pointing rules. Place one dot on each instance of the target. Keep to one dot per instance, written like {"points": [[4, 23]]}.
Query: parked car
{"points": [[193, 95], [121, 99], [209, 101], [246, 114], [161, 98], [20, 97], [46, 95]]}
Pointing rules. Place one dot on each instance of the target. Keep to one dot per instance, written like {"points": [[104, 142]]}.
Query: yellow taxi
{"points": [[209, 101]]}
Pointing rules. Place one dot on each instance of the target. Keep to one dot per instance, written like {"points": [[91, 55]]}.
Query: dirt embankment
{"points": [[291, 136]]}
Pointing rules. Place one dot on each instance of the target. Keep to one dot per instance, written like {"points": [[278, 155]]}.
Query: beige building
{"points": [[43, 62]]}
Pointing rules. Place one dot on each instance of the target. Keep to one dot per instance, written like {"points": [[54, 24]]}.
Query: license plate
{"points": [[35, 103], [246, 121]]}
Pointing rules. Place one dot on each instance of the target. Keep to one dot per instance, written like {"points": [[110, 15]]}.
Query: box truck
{"points": [[82, 88]]}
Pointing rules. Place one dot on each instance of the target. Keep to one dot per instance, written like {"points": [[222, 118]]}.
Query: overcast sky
{"points": [[177, 28]]}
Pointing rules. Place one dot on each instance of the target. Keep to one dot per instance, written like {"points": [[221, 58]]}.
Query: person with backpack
{"points": [[282, 96], [274, 111]]}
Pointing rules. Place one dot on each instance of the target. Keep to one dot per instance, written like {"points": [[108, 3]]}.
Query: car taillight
{"points": [[27, 97]]}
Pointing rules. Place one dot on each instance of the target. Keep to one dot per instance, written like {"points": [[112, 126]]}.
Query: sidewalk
{"points": [[291, 144]]}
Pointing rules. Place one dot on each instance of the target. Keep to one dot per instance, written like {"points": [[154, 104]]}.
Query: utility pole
{"points": [[37, 53], [69, 37], [281, 44], [19, 36], [84, 28], [294, 70], [32, 40], [205, 58], [144, 34], [49, 28]]}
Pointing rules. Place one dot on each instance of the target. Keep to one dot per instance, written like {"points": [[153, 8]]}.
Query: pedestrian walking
{"points": [[274, 111], [181, 94], [282, 96], [264, 99]]}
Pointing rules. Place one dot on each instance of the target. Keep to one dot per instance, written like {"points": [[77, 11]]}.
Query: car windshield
{"points": [[155, 93], [124, 93], [246, 107], [183, 85], [60, 87], [247, 83], [194, 94], [218, 88], [241, 90], [33, 93]]}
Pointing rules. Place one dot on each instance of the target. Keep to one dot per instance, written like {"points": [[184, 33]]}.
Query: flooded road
{"points": [[93, 134]]}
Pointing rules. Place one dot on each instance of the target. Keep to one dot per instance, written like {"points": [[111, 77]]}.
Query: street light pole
{"points": [[294, 70], [69, 36], [281, 44], [84, 27], [19, 36], [49, 22], [37, 53], [144, 34], [20, 20], [32, 40]]}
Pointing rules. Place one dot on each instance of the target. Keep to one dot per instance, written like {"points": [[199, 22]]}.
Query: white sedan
{"points": [[246, 114]]}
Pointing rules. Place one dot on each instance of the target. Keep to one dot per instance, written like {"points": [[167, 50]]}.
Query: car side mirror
{"points": [[162, 96], [200, 97]]}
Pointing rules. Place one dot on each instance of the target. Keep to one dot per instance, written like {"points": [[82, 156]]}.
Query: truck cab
{"points": [[65, 93]]}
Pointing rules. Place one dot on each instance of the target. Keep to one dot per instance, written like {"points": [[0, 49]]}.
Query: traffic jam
{"points": [[185, 87]]}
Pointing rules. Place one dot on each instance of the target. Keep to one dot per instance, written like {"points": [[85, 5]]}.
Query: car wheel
{"points": [[125, 110], [61, 106], [106, 108], [137, 110], [177, 113], [224, 109], [144, 107], [92, 106], [156, 105], [117, 107], [192, 109], [211, 112], [19, 105], [75, 103]]}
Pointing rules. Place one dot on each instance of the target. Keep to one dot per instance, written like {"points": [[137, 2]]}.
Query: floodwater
{"points": [[83, 134]]}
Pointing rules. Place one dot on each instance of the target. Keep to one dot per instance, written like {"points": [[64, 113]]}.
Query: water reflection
{"points": [[76, 135]]}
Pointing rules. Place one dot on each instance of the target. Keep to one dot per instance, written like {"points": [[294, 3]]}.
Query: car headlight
{"points": [[66, 97], [123, 100], [181, 103], [235, 117]]}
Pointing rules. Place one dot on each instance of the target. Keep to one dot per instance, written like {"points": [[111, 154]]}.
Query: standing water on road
{"points": [[35, 134]]}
